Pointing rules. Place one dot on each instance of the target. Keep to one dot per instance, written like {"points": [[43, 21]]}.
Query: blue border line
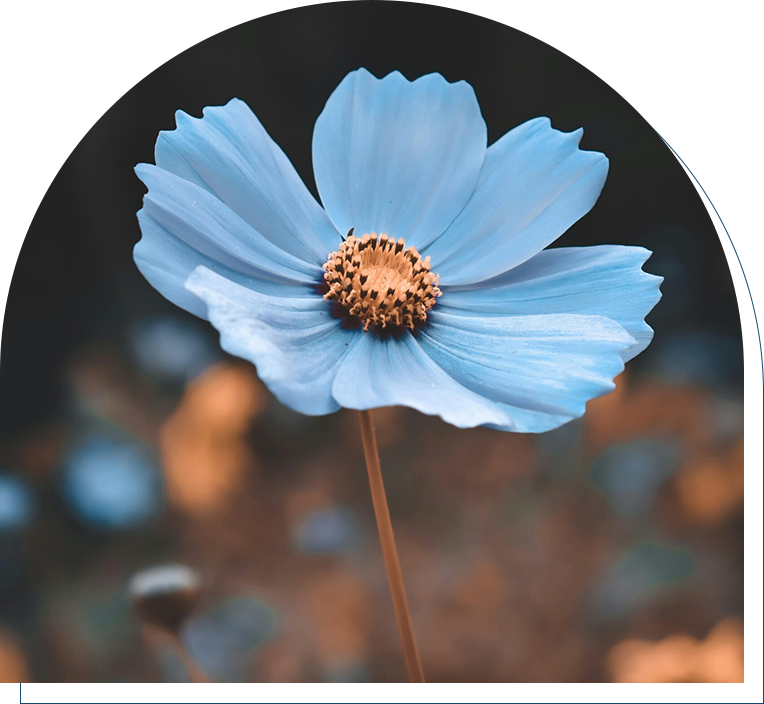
{"points": [[160, 693], [741, 216]]}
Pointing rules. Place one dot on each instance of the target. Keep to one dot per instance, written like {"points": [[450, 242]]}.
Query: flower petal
{"points": [[605, 280], [539, 369], [397, 372], [396, 156], [534, 184], [184, 226], [228, 153], [295, 343]]}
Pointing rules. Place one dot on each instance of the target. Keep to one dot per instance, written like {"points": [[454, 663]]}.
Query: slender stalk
{"points": [[394, 574], [195, 672]]}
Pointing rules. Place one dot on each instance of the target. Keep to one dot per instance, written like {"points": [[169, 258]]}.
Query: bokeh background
{"points": [[608, 550]]}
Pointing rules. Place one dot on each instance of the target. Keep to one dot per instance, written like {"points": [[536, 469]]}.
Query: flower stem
{"points": [[394, 575]]}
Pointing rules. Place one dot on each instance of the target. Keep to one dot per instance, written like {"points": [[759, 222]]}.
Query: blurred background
{"points": [[607, 550]]}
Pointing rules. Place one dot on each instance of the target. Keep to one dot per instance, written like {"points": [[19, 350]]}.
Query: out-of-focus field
{"points": [[608, 550]]}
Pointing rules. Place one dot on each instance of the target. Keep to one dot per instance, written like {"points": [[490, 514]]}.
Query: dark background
{"points": [[71, 355]]}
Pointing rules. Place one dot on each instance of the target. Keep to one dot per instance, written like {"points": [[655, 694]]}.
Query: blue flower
{"points": [[454, 308], [17, 504], [112, 485]]}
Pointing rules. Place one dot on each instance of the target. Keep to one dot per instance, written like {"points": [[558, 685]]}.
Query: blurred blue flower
{"points": [[347, 672], [224, 638], [333, 530], [17, 504], [630, 475], [699, 357], [172, 349], [638, 576], [520, 338], [112, 484], [17, 510]]}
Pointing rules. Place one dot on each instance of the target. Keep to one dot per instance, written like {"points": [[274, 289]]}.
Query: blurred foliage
{"points": [[609, 549]]}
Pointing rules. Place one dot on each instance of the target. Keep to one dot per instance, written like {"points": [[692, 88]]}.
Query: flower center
{"points": [[380, 282]]}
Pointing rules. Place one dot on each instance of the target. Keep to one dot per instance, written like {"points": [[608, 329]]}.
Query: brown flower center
{"points": [[380, 282]]}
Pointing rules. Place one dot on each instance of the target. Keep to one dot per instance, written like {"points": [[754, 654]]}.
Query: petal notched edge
{"points": [[535, 183], [228, 152], [398, 156], [540, 370], [607, 280]]}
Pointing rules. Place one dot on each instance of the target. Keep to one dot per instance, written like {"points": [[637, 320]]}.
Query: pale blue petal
{"points": [[539, 369], [395, 156], [166, 261], [605, 280], [229, 153], [535, 183], [184, 226], [295, 344], [388, 372]]}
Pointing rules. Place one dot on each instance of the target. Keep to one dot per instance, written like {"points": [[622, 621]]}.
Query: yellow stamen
{"points": [[380, 282]]}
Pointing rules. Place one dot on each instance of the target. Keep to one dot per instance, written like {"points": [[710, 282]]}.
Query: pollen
{"points": [[380, 282]]}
